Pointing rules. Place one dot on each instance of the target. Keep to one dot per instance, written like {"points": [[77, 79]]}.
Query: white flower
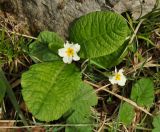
{"points": [[118, 78], [69, 52]]}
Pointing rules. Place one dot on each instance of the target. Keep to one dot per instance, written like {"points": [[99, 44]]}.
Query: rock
{"points": [[54, 15], [138, 8]]}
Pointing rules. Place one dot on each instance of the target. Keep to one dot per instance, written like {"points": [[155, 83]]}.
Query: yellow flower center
{"points": [[118, 76], [70, 52]]}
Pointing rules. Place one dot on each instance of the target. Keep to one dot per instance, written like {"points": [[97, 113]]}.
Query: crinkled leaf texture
{"points": [[126, 113], [49, 89], [143, 92], [45, 48], [156, 124], [111, 60], [82, 110], [3, 85], [99, 33]]}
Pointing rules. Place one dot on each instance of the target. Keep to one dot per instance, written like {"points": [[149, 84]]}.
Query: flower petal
{"points": [[62, 52], [123, 78], [76, 57], [122, 81], [121, 71], [76, 47], [67, 59], [67, 45], [115, 70], [112, 80]]}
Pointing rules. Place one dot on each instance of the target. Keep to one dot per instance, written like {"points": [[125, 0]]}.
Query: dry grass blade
{"points": [[48, 125], [6, 123], [103, 123], [18, 34]]}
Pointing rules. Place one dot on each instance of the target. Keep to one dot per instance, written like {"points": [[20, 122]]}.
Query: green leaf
{"points": [[82, 110], [53, 40], [156, 124], [45, 48], [99, 33], [111, 60], [3, 86], [49, 89], [86, 95], [143, 92], [40, 52], [126, 113]]}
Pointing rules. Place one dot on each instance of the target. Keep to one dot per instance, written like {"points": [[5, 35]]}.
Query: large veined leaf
{"points": [[82, 110], [45, 48], [99, 33], [49, 89], [143, 92], [112, 59], [156, 124], [126, 113]]}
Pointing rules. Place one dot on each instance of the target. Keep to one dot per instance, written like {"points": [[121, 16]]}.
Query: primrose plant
{"points": [[53, 88]]}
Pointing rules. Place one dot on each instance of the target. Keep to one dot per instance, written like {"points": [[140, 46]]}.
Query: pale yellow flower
{"points": [[118, 78], [69, 52]]}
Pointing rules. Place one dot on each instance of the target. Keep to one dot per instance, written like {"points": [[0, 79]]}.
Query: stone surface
{"points": [[54, 15], [138, 8]]}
